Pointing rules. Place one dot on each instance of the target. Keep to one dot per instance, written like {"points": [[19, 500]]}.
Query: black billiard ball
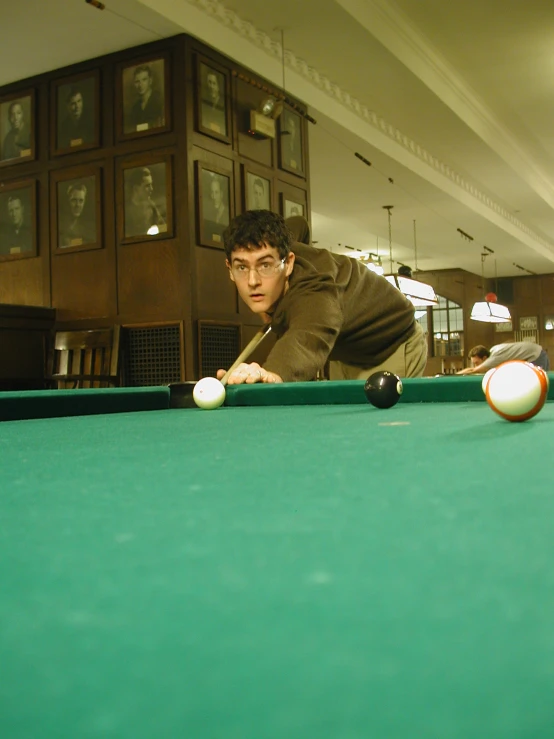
{"points": [[383, 389]]}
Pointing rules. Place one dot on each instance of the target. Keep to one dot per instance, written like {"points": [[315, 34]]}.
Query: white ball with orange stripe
{"points": [[517, 390]]}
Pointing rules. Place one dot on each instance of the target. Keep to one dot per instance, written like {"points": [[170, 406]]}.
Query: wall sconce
{"points": [[262, 120]]}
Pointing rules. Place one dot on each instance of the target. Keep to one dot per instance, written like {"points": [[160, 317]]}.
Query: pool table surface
{"points": [[294, 565]]}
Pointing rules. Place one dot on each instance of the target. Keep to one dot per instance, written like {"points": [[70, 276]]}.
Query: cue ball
{"points": [[517, 390], [383, 389], [208, 393]]}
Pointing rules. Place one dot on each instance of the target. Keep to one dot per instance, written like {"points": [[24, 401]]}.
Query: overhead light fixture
{"points": [[373, 262], [488, 310], [420, 294]]}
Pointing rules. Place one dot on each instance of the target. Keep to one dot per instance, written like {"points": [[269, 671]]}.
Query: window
{"points": [[445, 322], [448, 328]]}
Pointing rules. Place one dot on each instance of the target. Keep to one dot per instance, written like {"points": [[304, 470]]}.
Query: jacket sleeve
{"points": [[313, 322]]}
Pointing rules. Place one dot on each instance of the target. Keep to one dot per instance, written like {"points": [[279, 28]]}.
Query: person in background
{"points": [[483, 359]]}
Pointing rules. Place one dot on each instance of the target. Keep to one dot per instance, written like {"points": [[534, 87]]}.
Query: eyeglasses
{"points": [[264, 270]]}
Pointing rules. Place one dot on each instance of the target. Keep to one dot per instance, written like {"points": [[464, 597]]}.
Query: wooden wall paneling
{"points": [[162, 280], [83, 274], [216, 293], [149, 269], [149, 285], [182, 87], [21, 282]]}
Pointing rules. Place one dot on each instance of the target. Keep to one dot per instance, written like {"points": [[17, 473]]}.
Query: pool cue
{"points": [[245, 353]]}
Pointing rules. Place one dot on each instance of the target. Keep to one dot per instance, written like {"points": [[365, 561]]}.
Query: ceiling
{"points": [[452, 103]]}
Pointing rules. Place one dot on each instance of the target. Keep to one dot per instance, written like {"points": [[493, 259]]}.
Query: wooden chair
{"points": [[84, 359]]}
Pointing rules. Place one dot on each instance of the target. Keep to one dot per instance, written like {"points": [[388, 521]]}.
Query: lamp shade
{"points": [[419, 293], [490, 313]]}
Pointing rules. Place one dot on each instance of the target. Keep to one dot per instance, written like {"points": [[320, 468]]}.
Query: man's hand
{"points": [[469, 371], [249, 374]]}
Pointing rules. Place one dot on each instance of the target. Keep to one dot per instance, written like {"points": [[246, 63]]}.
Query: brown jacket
{"points": [[335, 308]]}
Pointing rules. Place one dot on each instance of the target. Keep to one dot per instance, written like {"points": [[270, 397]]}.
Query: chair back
{"points": [[84, 359]]}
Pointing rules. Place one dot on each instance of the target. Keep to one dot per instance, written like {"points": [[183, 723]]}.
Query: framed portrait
{"points": [[292, 202], [528, 323], [257, 191], [144, 94], [214, 191], [147, 200], [77, 212], [291, 149], [503, 328], [18, 228], [212, 101], [292, 208], [75, 104], [17, 128]]}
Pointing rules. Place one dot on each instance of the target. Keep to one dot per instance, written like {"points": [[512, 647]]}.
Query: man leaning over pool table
{"points": [[320, 306]]}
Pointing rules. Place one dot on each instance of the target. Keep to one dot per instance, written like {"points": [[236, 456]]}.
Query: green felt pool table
{"points": [[294, 565]]}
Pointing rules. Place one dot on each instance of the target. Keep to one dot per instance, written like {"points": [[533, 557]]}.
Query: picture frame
{"points": [[504, 328], [144, 96], [145, 211], [257, 190], [292, 208], [291, 143], [292, 202], [18, 220], [17, 128], [212, 100], [214, 188], [76, 211], [75, 106], [528, 323]]}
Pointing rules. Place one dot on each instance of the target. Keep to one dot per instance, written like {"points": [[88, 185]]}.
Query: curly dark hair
{"points": [[256, 228]]}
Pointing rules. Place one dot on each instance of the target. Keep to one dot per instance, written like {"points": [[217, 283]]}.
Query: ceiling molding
{"points": [[467, 191], [391, 27]]}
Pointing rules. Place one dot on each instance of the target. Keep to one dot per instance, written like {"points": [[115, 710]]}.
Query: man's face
{"points": [[143, 83], [15, 212], [213, 86], [77, 202], [16, 116], [260, 294], [75, 106], [215, 193], [477, 361], [258, 197]]}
